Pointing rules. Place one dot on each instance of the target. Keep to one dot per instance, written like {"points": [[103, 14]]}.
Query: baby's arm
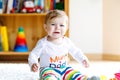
{"points": [[33, 57], [78, 55]]}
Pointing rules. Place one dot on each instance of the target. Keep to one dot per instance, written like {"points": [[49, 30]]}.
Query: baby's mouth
{"points": [[56, 32]]}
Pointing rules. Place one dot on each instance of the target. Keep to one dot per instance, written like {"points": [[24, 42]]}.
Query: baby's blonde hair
{"points": [[54, 14]]}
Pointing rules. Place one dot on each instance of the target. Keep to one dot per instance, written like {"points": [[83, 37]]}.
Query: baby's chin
{"points": [[54, 37], [57, 36]]}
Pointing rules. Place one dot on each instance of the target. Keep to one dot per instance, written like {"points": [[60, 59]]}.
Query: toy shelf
{"points": [[33, 28], [14, 56]]}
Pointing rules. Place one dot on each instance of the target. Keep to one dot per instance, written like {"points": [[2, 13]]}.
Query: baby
{"points": [[53, 49]]}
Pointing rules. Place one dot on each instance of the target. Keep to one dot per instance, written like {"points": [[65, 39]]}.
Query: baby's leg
{"points": [[71, 74], [49, 74]]}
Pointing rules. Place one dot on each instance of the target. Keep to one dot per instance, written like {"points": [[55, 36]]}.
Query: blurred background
{"points": [[95, 27]]}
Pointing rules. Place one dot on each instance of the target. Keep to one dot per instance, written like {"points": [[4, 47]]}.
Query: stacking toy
{"points": [[21, 45]]}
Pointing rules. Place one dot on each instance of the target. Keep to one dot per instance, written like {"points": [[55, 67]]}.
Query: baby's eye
{"points": [[52, 24], [62, 25]]}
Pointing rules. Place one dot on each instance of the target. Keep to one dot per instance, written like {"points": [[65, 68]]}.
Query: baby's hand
{"points": [[35, 67], [85, 63]]}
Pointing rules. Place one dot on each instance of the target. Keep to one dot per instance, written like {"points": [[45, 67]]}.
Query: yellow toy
{"points": [[4, 38]]}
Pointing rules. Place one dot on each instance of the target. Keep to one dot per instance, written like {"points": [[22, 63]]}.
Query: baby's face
{"points": [[57, 27]]}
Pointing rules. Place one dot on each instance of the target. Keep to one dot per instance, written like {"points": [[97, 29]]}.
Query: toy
{"points": [[94, 78], [28, 7], [38, 9], [21, 41], [117, 75], [103, 77], [4, 38]]}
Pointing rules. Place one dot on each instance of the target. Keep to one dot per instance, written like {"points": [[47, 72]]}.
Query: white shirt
{"points": [[52, 55]]}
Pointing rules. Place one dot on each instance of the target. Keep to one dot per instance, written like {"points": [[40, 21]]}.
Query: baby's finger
{"points": [[34, 70]]}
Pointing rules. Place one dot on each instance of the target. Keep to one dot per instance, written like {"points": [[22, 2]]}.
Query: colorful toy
{"points": [[28, 7], [103, 77], [117, 75], [21, 41]]}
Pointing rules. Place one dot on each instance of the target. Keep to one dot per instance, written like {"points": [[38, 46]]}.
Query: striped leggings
{"points": [[66, 73]]}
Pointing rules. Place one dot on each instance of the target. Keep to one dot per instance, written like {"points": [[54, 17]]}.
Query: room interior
{"points": [[94, 27]]}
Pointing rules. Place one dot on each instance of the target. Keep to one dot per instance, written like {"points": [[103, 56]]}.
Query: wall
{"points": [[86, 29], [111, 24]]}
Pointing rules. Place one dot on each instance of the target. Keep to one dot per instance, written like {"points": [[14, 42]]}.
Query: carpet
{"points": [[21, 71], [16, 71]]}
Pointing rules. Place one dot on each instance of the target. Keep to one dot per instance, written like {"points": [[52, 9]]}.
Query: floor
{"points": [[99, 68], [21, 71]]}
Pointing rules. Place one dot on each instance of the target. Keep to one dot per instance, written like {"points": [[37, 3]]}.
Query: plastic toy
{"points": [[94, 78], [117, 75], [4, 38], [38, 9], [28, 7], [103, 77], [21, 41]]}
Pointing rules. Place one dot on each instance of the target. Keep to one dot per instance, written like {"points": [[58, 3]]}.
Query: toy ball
{"points": [[94, 78], [117, 75], [102, 77]]}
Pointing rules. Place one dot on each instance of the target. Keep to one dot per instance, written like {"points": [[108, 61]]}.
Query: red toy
{"points": [[117, 75], [28, 7], [38, 9]]}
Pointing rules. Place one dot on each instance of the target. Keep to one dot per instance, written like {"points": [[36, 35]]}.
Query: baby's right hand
{"points": [[35, 67], [86, 63]]}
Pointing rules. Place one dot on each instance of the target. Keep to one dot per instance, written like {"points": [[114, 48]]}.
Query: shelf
{"points": [[24, 14], [33, 28], [14, 56], [13, 53]]}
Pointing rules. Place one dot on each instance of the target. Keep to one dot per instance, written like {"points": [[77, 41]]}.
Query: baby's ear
{"points": [[45, 27]]}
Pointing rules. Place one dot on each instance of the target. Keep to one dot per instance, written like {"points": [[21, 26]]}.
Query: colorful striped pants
{"points": [[66, 73]]}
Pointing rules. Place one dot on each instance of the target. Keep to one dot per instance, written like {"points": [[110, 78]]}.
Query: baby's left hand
{"points": [[85, 63]]}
